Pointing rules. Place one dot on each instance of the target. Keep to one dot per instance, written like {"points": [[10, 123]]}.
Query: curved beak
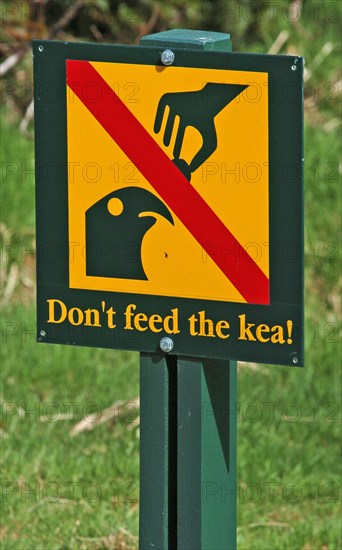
{"points": [[155, 206]]}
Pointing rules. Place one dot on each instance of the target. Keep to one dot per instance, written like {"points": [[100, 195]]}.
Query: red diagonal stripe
{"points": [[169, 182]]}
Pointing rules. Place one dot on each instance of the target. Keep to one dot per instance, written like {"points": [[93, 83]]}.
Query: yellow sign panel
{"points": [[232, 180]]}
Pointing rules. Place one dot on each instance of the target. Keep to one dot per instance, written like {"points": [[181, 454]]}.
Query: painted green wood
{"points": [[206, 493], [154, 460], [187, 454], [189, 457], [218, 454], [189, 39]]}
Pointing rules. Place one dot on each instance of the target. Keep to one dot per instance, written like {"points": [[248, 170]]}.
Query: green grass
{"points": [[17, 177], [84, 486]]}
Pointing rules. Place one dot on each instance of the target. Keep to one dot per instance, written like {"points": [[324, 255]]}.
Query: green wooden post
{"points": [[154, 445], [206, 480], [188, 423]]}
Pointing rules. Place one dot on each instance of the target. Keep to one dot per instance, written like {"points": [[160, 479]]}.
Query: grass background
{"points": [[59, 491]]}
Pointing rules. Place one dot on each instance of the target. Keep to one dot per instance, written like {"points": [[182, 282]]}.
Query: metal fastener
{"points": [[294, 66], [295, 360], [42, 333], [167, 57], [40, 48], [166, 344]]}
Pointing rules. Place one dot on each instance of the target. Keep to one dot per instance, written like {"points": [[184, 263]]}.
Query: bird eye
{"points": [[115, 207]]}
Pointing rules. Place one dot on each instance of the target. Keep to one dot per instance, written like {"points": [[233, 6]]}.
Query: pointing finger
{"points": [[168, 129], [179, 140], [160, 113]]}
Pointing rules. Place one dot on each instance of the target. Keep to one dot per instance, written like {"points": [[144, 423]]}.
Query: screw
{"points": [[40, 48], [167, 57], [294, 66], [295, 360], [42, 333], [166, 344]]}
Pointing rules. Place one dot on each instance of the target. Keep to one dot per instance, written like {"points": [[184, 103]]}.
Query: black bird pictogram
{"points": [[115, 229]]}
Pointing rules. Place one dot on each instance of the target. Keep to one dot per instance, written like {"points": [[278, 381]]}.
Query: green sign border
{"points": [[286, 212]]}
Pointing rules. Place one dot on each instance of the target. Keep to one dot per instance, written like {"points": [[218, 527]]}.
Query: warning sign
{"points": [[170, 201], [163, 185]]}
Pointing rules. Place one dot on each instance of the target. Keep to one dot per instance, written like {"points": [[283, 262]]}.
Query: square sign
{"points": [[170, 201]]}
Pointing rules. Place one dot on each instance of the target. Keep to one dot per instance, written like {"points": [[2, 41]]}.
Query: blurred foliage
{"points": [[305, 27]]}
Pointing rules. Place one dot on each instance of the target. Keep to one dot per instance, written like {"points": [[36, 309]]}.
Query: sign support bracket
{"points": [[188, 423]]}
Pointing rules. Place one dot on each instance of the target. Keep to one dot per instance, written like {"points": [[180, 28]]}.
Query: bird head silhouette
{"points": [[115, 229]]}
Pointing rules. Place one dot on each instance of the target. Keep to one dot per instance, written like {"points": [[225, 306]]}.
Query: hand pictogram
{"points": [[196, 109]]}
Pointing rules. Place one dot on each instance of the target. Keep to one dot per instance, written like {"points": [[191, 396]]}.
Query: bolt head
{"points": [[42, 333], [295, 360], [167, 57], [166, 344]]}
